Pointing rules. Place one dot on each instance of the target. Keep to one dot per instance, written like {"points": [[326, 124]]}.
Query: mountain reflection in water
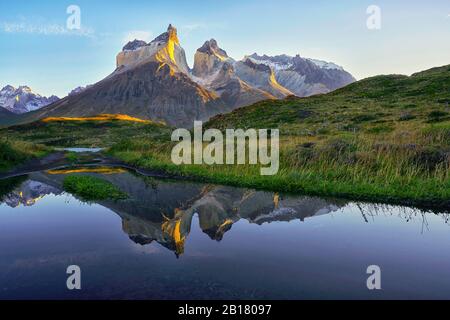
{"points": [[162, 211]]}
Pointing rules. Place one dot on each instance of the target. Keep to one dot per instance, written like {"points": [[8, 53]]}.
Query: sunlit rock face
{"points": [[303, 76], [165, 49], [214, 69], [262, 77], [209, 59]]}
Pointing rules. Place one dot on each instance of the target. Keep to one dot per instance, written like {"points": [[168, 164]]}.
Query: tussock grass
{"points": [[13, 152]]}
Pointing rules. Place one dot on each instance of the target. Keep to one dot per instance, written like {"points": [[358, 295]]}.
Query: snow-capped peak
{"points": [[23, 99], [325, 65], [274, 64]]}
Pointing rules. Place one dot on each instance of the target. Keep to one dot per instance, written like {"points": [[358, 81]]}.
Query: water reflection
{"points": [[162, 211]]}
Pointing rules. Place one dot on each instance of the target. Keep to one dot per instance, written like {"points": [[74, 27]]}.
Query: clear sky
{"points": [[36, 49]]}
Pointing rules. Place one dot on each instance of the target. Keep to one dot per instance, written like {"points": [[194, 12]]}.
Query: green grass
{"points": [[14, 152], [92, 189], [321, 173], [89, 134]]}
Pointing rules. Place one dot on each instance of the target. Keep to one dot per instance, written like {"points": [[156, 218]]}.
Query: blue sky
{"points": [[36, 50]]}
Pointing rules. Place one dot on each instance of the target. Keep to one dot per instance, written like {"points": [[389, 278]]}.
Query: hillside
{"points": [[5, 113], [377, 104]]}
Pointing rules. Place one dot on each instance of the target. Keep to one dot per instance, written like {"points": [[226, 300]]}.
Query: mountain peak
{"points": [[164, 49], [24, 89], [173, 34], [212, 48], [170, 35], [22, 99], [8, 88], [134, 45]]}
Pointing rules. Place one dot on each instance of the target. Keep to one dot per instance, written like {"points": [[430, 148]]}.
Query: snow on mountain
{"points": [[274, 64], [23, 99], [304, 76], [325, 65]]}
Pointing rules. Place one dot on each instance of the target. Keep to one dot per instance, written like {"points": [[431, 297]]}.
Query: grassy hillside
{"points": [[101, 131], [374, 105]]}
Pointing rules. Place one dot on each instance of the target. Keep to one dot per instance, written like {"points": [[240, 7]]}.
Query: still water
{"points": [[182, 240]]}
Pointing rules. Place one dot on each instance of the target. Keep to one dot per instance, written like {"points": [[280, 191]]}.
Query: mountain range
{"points": [[23, 99], [153, 81]]}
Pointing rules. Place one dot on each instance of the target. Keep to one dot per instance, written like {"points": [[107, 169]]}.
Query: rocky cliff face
{"points": [[165, 49], [214, 70], [262, 77], [23, 99], [305, 77]]}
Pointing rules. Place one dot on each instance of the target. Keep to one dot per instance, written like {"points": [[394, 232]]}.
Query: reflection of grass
{"points": [[72, 157], [92, 189]]}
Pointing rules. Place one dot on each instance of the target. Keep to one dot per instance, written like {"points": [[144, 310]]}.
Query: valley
{"points": [[382, 139]]}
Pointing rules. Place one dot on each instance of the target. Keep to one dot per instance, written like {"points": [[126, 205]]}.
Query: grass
{"points": [[91, 188], [88, 133], [14, 152], [335, 169]]}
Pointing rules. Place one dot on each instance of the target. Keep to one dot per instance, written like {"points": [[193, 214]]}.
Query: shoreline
{"points": [[59, 161]]}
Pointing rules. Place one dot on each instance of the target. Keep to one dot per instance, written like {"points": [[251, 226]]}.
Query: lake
{"points": [[185, 240]]}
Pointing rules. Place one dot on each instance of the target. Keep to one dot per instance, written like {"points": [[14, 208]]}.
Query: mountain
{"points": [[5, 113], [215, 70], [153, 81], [262, 77], [23, 99], [303, 76]]}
